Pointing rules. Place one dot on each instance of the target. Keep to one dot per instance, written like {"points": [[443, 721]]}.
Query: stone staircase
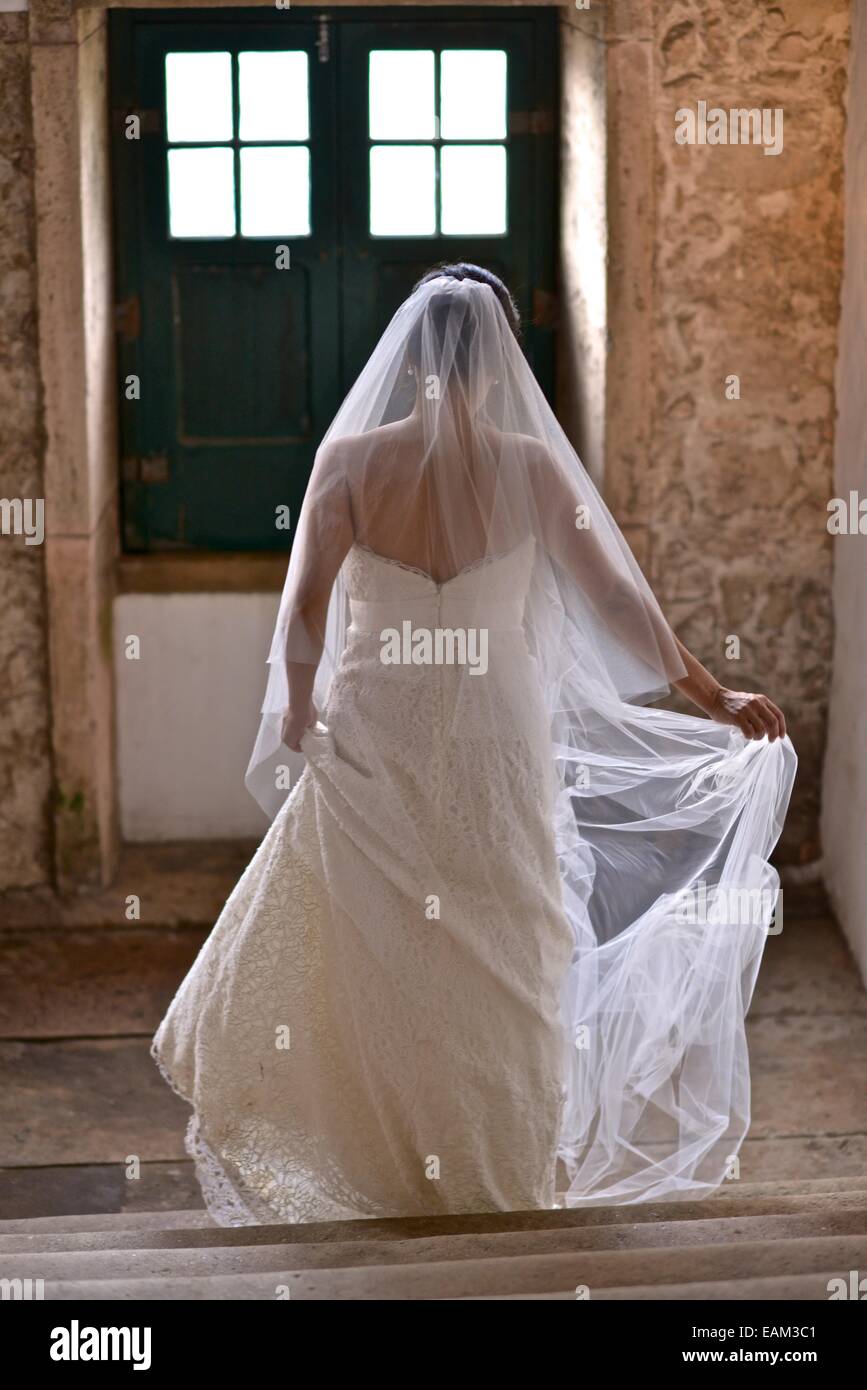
{"points": [[82, 992], [776, 1240]]}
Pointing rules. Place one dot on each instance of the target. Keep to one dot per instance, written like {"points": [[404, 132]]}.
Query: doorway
{"points": [[280, 184]]}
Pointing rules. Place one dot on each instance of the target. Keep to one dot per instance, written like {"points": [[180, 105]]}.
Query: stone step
{"points": [[90, 983], [527, 1275], [99, 1254], [817, 1194], [64, 1190], [787, 1187], [58, 982], [81, 1101], [178, 883], [112, 1221], [791, 1288]]}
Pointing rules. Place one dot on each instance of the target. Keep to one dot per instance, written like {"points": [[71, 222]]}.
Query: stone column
{"points": [[25, 756], [73, 231]]}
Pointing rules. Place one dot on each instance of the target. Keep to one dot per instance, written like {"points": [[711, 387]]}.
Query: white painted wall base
{"points": [[188, 711]]}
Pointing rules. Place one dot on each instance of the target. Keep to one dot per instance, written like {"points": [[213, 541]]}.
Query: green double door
{"points": [[281, 181]]}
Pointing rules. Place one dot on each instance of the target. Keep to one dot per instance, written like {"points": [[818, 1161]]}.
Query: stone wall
{"points": [[726, 261], [844, 800], [25, 766]]}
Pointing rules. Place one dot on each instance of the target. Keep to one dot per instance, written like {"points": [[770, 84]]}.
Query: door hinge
{"points": [[539, 122], [323, 41], [145, 468], [127, 318]]}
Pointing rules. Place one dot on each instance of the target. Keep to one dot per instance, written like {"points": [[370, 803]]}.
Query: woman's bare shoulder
{"points": [[349, 449], [525, 447]]}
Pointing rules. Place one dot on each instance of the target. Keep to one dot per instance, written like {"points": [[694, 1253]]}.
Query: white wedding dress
{"points": [[491, 953], [425, 1065]]}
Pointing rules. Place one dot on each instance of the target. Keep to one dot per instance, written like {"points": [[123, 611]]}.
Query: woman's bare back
{"points": [[396, 507]]}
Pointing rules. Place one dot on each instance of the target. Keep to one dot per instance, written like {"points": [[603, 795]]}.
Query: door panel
{"points": [[236, 356], [379, 271], [247, 395]]}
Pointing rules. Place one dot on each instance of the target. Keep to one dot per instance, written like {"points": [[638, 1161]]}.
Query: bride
{"points": [[492, 953]]}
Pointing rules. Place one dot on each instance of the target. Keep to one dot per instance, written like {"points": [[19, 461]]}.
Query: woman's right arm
{"points": [[325, 535]]}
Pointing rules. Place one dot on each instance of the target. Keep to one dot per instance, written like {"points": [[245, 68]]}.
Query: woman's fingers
{"points": [[754, 714], [780, 718], [760, 717], [751, 724], [773, 718]]}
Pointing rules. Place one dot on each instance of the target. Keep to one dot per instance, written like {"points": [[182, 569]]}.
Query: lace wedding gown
{"points": [[498, 921], [406, 1056]]}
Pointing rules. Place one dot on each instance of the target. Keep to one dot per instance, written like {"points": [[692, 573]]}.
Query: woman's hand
{"points": [[296, 723], [755, 715]]}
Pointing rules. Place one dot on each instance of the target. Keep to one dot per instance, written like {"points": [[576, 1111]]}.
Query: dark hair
{"points": [[464, 270]]}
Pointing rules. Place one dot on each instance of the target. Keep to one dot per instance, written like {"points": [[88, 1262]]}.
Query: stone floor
{"points": [[82, 990]]}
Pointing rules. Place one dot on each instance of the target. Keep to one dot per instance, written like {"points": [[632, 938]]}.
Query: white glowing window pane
{"points": [[473, 184], [275, 191], [201, 193], [402, 190], [199, 96], [473, 94], [273, 96], [402, 95]]}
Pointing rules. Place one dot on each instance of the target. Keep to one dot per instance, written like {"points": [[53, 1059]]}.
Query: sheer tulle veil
{"points": [[445, 456]]}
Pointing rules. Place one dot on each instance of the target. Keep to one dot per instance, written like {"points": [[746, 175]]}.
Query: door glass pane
{"points": [[473, 184], [402, 190], [201, 193], [275, 191], [199, 96], [473, 94], [402, 95], [273, 93]]}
